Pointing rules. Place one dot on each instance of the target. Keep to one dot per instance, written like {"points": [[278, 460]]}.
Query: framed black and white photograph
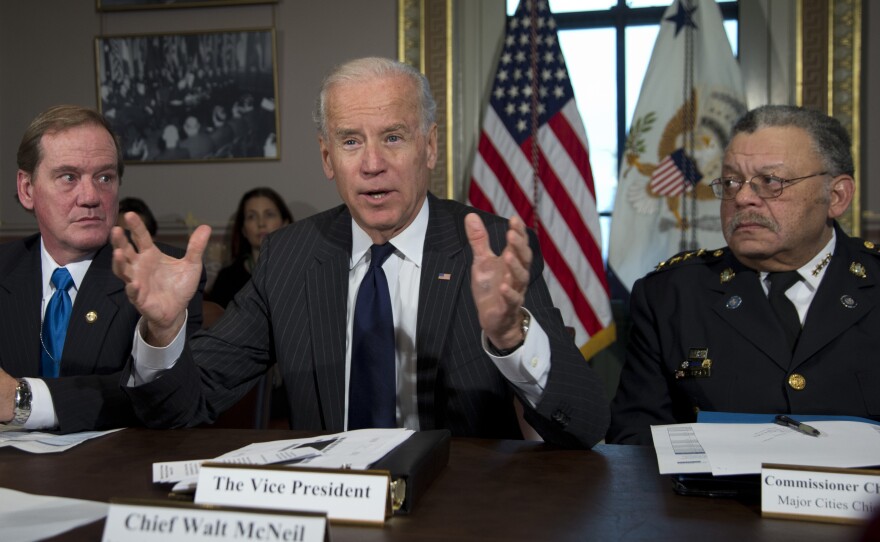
{"points": [[125, 5], [198, 96]]}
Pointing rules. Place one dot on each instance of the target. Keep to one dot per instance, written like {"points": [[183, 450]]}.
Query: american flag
{"points": [[533, 161], [671, 176]]}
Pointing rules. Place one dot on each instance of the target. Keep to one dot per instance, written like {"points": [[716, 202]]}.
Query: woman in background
{"points": [[260, 212]]}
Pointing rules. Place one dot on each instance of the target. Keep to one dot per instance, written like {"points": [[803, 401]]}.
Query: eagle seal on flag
{"points": [[672, 171]]}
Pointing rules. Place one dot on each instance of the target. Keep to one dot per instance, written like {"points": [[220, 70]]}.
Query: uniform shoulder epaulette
{"points": [[693, 256]]}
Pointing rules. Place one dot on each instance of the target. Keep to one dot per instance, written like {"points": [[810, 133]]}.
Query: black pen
{"points": [[782, 419]]}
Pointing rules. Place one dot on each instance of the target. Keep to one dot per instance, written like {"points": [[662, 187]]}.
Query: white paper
{"points": [[45, 443], [25, 517], [734, 448], [678, 450], [742, 448]]}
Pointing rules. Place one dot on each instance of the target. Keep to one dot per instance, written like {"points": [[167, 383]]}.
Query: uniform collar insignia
{"points": [[727, 275], [857, 269], [821, 265]]}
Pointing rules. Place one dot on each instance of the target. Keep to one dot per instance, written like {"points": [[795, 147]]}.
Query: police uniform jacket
{"points": [[704, 337]]}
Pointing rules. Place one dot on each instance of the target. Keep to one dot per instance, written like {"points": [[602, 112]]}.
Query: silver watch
{"points": [[22, 409]]}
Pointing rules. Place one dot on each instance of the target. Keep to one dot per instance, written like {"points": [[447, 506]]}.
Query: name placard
{"points": [[819, 494], [149, 521], [350, 496]]}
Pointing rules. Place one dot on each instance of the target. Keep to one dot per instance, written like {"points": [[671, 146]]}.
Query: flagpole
{"points": [[533, 70], [689, 97]]}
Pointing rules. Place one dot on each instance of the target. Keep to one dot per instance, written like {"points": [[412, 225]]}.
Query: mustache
{"points": [[749, 217]]}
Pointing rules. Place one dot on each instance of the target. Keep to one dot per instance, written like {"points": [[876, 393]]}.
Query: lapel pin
{"points": [[857, 269], [727, 275], [848, 302], [91, 317], [444, 276], [734, 302]]}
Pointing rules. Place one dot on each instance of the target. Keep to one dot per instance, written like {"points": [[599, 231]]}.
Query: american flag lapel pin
{"points": [[444, 276]]}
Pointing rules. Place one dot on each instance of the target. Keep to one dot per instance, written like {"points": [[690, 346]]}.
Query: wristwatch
{"points": [[22, 409], [501, 352]]}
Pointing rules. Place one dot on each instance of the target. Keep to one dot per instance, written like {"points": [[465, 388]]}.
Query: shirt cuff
{"points": [[528, 367], [149, 362], [42, 407]]}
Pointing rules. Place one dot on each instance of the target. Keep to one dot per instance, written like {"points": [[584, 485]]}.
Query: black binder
{"points": [[416, 462]]}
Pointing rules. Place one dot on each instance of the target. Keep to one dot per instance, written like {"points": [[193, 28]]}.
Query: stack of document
{"points": [[350, 450], [725, 449]]}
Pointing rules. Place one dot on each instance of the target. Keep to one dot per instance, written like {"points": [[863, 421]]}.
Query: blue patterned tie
{"points": [[55, 324], [372, 387]]}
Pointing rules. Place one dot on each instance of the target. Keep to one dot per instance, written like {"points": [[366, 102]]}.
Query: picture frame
{"points": [[129, 5], [191, 97]]}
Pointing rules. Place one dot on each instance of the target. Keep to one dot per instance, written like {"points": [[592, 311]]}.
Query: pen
{"points": [[782, 419]]}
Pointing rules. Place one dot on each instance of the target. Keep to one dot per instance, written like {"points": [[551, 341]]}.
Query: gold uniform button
{"points": [[91, 317], [797, 382]]}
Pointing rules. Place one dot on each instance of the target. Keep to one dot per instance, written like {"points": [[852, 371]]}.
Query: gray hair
{"points": [[374, 68], [830, 139]]}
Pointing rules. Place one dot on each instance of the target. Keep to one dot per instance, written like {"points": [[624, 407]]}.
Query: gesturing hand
{"points": [[499, 282], [158, 285]]}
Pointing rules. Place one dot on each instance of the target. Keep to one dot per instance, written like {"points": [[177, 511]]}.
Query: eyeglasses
{"points": [[765, 186]]}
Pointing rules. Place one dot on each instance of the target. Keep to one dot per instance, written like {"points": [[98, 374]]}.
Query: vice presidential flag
{"points": [[691, 96], [533, 161]]}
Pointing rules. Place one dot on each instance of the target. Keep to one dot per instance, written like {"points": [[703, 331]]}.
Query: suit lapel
{"points": [[95, 308], [443, 274], [841, 300], [20, 295], [328, 298], [743, 304]]}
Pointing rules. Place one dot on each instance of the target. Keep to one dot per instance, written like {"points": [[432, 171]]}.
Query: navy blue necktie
{"points": [[782, 305], [55, 324], [372, 386]]}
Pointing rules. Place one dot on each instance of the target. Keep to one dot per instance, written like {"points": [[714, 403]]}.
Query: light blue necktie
{"points": [[372, 389], [55, 324]]}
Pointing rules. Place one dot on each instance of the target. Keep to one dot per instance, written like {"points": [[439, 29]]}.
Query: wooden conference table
{"points": [[491, 490]]}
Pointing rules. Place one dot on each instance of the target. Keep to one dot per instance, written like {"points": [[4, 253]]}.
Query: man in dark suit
{"points": [[714, 330], [70, 168], [472, 330]]}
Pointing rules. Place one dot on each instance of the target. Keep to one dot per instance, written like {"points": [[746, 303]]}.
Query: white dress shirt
{"points": [[42, 407], [803, 291]]}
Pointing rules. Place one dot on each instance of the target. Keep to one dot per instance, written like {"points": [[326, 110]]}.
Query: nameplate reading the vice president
{"points": [[151, 521], [819, 494], [350, 496]]}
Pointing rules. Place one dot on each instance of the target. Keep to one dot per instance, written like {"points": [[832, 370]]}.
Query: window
{"points": [[607, 85]]}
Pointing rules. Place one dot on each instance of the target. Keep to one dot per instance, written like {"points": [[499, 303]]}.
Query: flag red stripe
{"points": [[568, 281], [496, 163], [570, 214]]}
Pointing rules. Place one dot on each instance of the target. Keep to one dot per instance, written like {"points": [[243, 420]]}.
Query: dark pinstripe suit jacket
{"points": [[294, 310], [87, 393]]}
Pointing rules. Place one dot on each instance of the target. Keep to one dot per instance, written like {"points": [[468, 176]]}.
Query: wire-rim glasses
{"points": [[765, 186]]}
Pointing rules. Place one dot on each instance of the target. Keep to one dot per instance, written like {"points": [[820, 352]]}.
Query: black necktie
{"points": [[372, 387], [782, 305], [55, 324]]}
